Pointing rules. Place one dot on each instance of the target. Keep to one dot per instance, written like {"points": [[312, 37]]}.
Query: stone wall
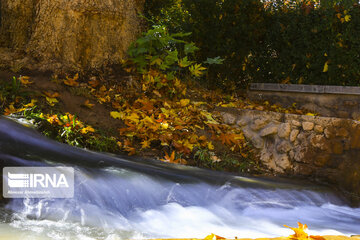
{"points": [[328, 101], [324, 149]]}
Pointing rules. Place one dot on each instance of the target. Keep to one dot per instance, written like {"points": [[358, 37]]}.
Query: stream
{"points": [[121, 198]]}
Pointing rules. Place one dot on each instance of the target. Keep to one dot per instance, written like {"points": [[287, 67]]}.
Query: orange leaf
{"points": [[88, 104], [51, 95]]}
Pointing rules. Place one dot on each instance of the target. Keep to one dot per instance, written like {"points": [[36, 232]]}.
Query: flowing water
{"points": [[118, 198]]}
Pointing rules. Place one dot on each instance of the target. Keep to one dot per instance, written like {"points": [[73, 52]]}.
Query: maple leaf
{"points": [[184, 102], [25, 80], [197, 70], [300, 233], [72, 82], [168, 158], [213, 237], [116, 115], [10, 110], [51, 101], [31, 104], [51, 95], [93, 83], [145, 144], [87, 129], [88, 104]]}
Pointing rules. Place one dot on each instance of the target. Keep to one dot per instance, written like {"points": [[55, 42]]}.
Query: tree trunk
{"points": [[76, 35]]}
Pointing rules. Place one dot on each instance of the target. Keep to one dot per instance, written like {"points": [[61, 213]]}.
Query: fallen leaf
{"points": [[184, 102], [51, 101], [51, 95], [326, 67], [116, 115], [72, 81], [31, 104], [87, 129], [88, 104], [25, 80]]}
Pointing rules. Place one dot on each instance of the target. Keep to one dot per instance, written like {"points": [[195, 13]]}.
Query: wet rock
{"points": [[318, 141]]}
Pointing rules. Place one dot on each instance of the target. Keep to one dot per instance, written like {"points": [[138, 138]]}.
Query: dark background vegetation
{"points": [[300, 42]]}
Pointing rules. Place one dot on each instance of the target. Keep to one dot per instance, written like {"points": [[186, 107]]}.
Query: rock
{"points": [[308, 126], [296, 123], [228, 118], [294, 133], [284, 130], [269, 130], [355, 115], [300, 153], [337, 122], [319, 129], [321, 160], [327, 133], [350, 103], [282, 161], [318, 141], [255, 139], [283, 147], [242, 122], [342, 132], [259, 123], [343, 114], [303, 169], [337, 147]]}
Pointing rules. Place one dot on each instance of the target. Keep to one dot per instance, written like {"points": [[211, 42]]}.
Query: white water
{"points": [[136, 200], [120, 204]]}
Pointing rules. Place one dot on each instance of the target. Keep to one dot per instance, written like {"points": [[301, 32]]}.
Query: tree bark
{"points": [[76, 35]]}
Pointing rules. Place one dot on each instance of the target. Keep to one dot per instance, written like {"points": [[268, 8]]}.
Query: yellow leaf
{"points": [[326, 67], [87, 129], [31, 104], [184, 102], [197, 70], [51, 101], [347, 18], [310, 114], [145, 144], [300, 233], [210, 146], [133, 117], [210, 237], [164, 125], [116, 115]]}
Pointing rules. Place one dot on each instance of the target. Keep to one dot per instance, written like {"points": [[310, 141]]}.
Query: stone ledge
{"points": [[300, 88]]}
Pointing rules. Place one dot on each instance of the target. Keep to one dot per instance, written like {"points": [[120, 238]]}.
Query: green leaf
{"points": [[190, 48], [184, 62], [215, 60]]}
